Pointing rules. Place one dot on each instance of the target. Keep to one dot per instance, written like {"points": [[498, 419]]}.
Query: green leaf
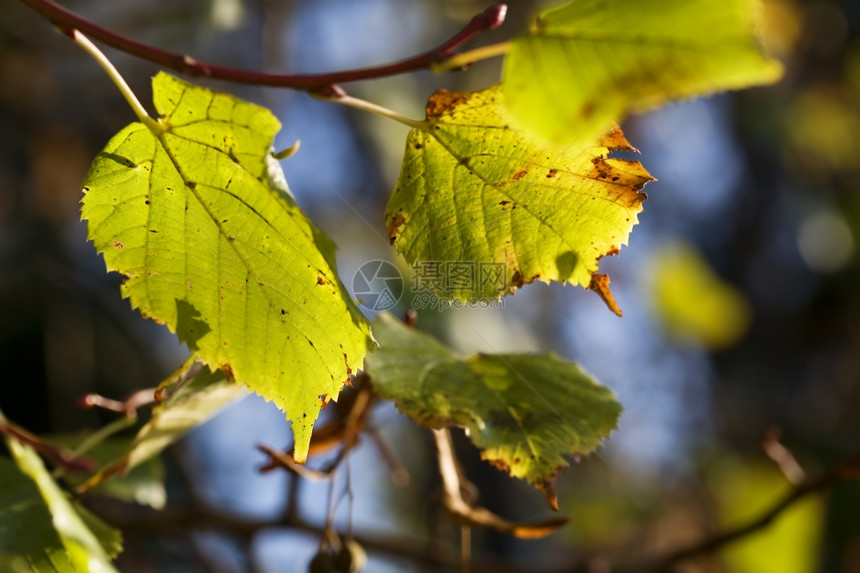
{"points": [[28, 540], [195, 213], [525, 412], [39, 526], [474, 190], [586, 63], [693, 302]]}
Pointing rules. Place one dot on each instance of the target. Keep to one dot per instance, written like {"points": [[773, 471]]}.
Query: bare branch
{"points": [[68, 21], [454, 504], [51, 451], [848, 469]]}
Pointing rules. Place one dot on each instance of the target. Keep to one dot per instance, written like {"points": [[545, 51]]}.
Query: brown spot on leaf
{"points": [[600, 285], [118, 245], [443, 101], [588, 109], [348, 369], [517, 279], [519, 175], [551, 173], [321, 280], [228, 371], [602, 170], [394, 226], [623, 179]]}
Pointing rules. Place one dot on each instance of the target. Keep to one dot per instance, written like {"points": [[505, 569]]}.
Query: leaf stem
{"points": [[138, 109], [69, 22], [96, 438], [337, 95], [465, 59]]}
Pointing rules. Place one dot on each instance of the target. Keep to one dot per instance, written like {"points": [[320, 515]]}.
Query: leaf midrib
{"points": [[160, 137]]}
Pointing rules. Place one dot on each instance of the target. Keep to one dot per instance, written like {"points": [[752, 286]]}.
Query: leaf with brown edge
{"points": [[473, 190], [525, 413]]}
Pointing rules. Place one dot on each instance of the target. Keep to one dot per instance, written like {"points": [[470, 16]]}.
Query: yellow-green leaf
{"points": [[473, 189], [194, 212], [36, 511], [28, 540], [585, 64], [693, 302], [791, 544], [525, 412]]}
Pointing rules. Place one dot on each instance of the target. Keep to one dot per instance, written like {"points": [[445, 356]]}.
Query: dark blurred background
{"points": [[740, 288]]}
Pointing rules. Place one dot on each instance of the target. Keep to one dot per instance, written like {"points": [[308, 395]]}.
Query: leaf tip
{"points": [[600, 284], [547, 488]]}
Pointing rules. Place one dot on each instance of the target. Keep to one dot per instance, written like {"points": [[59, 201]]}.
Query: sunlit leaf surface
{"points": [[495, 208], [195, 213], [588, 62]]}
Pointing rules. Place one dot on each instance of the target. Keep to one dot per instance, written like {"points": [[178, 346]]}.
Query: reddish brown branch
{"points": [[51, 451], [67, 21]]}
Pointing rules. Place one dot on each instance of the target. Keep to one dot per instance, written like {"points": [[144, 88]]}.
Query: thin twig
{"points": [[51, 451], [465, 513], [127, 407], [96, 438], [67, 22], [848, 469], [782, 456], [399, 474], [286, 461], [129, 518]]}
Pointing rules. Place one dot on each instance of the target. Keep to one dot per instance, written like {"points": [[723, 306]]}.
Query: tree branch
{"points": [[67, 22], [848, 469], [129, 517], [465, 513], [57, 454]]}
